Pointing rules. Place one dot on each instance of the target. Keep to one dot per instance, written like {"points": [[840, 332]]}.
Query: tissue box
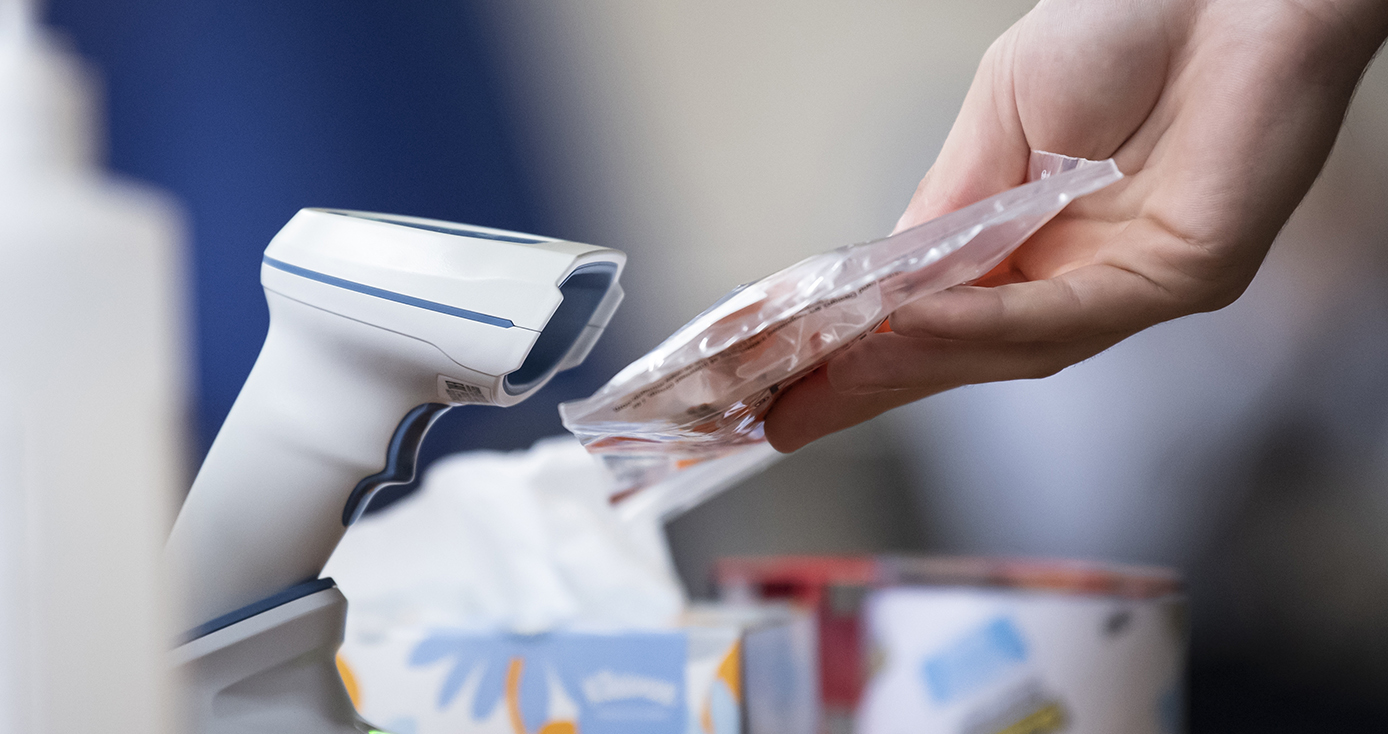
{"points": [[726, 670]]}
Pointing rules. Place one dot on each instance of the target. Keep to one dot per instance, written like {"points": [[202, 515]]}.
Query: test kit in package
{"points": [[985, 645], [704, 391]]}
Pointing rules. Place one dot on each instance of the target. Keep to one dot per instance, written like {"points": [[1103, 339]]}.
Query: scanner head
{"points": [[508, 309]]}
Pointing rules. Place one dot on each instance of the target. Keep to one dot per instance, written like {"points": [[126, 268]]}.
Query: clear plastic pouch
{"points": [[703, 392]]}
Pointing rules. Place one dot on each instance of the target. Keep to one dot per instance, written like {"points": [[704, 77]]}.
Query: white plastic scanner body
{"points": [[377, 324]]}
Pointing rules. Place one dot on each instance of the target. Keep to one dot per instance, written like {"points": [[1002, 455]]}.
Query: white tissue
{"points": [[523, 541]]}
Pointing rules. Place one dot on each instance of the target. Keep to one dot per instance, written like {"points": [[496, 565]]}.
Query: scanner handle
{"points": [[329, 408]]}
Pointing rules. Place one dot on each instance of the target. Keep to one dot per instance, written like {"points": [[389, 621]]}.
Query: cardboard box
{"points": [[724, 671], [1014, 645]]}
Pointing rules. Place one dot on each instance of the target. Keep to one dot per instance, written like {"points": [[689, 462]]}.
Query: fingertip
{"points": [[780, 443], [904, 222], [812, 409], [914, 208], [791, 423]]}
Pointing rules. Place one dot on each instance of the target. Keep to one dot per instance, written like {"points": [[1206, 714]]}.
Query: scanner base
{"points": [[271, 673]]}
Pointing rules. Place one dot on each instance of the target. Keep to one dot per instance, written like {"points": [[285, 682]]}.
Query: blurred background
{"points": [[718, 141]]}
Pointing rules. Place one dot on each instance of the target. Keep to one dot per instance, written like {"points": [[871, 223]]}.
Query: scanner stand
{"points": [[273, 672]]}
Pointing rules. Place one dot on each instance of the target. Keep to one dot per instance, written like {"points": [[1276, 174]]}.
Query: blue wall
{"points": [[248, 111]]}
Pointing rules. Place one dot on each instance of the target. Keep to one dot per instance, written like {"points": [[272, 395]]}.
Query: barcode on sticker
{"points": [[461, 392]]}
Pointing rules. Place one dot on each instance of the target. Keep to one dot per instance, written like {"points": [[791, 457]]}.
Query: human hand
{"points": [[1220, 112]]}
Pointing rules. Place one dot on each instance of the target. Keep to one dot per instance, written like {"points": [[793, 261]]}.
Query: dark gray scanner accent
{"points": [[297, 591], [401, 457], [582, 293]]}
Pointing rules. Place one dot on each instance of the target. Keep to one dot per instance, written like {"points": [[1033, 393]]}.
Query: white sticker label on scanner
{"points": [[457, 391]]}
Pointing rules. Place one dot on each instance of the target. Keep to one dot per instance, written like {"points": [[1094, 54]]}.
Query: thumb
{"points": [[986, 151]]}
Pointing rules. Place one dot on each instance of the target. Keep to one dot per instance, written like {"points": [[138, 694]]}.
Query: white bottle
{"points": [[92, 346], [14, 623]]}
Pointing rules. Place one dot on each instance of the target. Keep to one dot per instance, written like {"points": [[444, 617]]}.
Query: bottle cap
{"points": [[47, 97]]}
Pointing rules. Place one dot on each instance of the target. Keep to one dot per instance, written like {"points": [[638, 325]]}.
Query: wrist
{"points": [[1351, 29]]}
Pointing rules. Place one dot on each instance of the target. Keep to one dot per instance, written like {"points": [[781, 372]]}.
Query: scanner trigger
{"points": [[401, 458]]}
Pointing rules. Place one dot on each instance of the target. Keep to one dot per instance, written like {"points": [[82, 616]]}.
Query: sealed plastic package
{"points": [[703, 392]]}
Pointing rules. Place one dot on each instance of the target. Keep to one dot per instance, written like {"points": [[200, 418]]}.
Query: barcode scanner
{"points": [[378, 324]]}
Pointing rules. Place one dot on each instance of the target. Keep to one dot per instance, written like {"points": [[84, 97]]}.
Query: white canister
{"points": [[1025, 647]]}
